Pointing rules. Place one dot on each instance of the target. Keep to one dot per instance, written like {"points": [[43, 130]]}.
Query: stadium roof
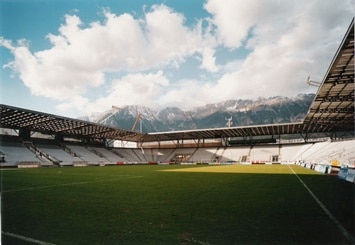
{"points": [[332, 110], [333, 105], [18, 118]]}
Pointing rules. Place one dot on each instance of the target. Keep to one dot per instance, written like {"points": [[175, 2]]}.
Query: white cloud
{"points": [[209, 60], [289, 40], [286, 46], [73, 104], [286, 42], [81, 55], [184, 94], [168, 37], [133, 89], [233, 19]]}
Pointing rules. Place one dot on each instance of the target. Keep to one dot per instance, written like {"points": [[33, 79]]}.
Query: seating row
{"points": [[327, 153]]}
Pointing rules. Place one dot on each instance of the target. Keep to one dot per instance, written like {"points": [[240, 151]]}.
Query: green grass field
{"points": [[259, 204]]}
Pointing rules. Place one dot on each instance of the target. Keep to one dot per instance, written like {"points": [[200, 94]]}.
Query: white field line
{"points": [[341, 228], [75, 183], [27, 239]]}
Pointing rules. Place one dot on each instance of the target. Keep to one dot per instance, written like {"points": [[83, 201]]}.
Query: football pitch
{"points": [[231, 204]]}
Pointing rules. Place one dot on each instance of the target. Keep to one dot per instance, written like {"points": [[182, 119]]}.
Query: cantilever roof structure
{"points": [[332, 110], [18, 118], [333, 106]]}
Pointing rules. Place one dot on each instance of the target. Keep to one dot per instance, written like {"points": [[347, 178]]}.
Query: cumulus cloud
{"points": [[185, 93], [285, 41], [169, 38], [233, 19], [288, 40], [81, 55], [132, 89]]}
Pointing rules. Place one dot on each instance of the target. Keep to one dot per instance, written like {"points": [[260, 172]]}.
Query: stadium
{"points": [[65, 181]]}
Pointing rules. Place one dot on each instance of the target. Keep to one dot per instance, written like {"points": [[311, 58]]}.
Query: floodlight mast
{"points": [[312, 83], [189, 117], [136, 121], [229, 122]]}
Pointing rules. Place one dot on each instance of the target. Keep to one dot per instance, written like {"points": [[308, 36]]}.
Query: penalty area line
{"points": [[27, 239], [341, 228]]}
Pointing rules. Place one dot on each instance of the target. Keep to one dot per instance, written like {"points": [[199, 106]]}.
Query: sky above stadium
{"points": [[76, 57]]}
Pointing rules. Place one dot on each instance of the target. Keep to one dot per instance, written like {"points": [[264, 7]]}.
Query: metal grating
{"points": [[333, 106], [18, 118]]}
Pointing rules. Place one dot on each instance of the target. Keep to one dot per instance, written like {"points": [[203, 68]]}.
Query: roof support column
{"points": [[225, 141], [59, 137], [304, 137], [25, 134]]}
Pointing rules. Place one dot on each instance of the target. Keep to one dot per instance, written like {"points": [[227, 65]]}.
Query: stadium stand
{"points": [[57, 152], [323, 141], [335, 153], [87, 156], [162, 155], [110, 155], [265, 154], [132, 156], [330, 153], [204, 155], [16, 154]]}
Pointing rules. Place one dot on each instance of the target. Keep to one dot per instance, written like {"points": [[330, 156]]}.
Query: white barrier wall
{"points": [[347, 174]]}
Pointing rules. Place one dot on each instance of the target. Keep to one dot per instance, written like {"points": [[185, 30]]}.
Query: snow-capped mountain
{"points": [[240, 112]]}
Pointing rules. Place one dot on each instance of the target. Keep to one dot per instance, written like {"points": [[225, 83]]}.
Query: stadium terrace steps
{"points": [[288, 152], [130, 155], [299, 155], [15, 153], [203, 155], [263, 154], [110, 155], [57, 152], [87, 155], [314, 149], [235, 154], [335, 153], [163, 155]]}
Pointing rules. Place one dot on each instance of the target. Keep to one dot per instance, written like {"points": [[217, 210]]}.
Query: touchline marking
{"points": [[27, 239], [69, 184], [341, 228]]}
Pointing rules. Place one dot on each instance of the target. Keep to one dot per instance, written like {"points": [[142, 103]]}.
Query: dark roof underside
{"points": [[18, 118]]}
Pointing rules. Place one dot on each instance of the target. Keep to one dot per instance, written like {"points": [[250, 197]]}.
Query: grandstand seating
{"points": [[204, 155], [86, 155], [15, 153], [339, 152], [264, 154], [131, 155], [236, 154], [109, 155], [313, 150], [335, 153], [288, 152], [162, 155], [56, 151]]}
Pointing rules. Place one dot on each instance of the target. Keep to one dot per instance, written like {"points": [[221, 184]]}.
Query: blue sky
{"points": [[77, 57]]}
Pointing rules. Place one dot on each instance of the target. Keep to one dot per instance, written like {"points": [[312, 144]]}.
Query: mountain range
{"points": [[237, 112]]}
